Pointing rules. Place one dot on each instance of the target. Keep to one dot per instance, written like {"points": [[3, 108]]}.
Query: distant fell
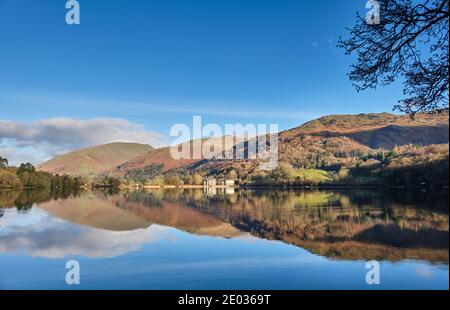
{"points": [[378, 130], [162, 160], [330, 141], [94, 160], [333, 142]]}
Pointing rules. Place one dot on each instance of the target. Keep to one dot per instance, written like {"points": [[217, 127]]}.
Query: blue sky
{"points": [[159, 62]]}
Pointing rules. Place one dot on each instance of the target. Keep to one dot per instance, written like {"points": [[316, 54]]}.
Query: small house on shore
{"points": [[213, 182], [225, 182], [210, 182]]}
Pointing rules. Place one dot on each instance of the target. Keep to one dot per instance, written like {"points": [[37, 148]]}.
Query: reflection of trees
{"points": [[339, 224], [342, 224], [7, 198], [24, 200]]}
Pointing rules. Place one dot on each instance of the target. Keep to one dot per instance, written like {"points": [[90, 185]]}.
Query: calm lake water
{"points": [[267, 239]]}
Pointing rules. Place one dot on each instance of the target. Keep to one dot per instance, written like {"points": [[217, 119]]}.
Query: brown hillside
{"points": [[349, 123], [382, 130], [94, 160], [328, 141], [163, 157], [153, 158], [341, 140]]}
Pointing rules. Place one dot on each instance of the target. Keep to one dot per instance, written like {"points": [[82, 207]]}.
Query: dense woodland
{"points": [[26, 176]]}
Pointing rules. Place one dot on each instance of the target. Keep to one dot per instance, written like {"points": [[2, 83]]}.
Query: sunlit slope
{"points": [[94, 160]]}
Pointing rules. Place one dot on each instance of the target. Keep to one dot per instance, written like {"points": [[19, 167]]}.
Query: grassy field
{"points": [[312, 175]]}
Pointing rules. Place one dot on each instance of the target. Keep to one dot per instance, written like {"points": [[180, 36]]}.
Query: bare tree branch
{"points": [[411, 41]]}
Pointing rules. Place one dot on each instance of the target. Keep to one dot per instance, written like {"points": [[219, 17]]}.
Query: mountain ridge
{"points": [[332, 136], [95, 159], [326, 141]]}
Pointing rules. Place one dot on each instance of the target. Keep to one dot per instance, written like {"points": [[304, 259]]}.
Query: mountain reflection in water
{"points": [[337, 224]]}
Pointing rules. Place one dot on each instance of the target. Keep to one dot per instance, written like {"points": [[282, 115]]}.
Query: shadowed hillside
{"points": [[331, 140], [374, 131], [365, 149], [350, 123]]}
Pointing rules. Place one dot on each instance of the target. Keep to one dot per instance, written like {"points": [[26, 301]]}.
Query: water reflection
{"points": [[344, 225], [43, 235]]}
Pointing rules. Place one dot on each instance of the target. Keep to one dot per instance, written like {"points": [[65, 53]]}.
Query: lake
{"points": [[242, 239]]}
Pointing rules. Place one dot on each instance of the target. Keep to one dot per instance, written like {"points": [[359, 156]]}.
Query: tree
{"points": [[410, 41], [173, 180], [26, 168], [3, 162], [282, 173], [232, 175], [114, 182], [381, 156], [158, 180], [9, 180], [343, 173], [197, 179]]}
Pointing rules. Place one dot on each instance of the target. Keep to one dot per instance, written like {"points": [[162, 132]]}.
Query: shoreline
{"points": [[249, 187], [246, 187], [178, 187]]}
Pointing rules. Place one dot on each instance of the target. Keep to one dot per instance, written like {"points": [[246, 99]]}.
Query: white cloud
{"points": [[39, 234], [40, 140]]}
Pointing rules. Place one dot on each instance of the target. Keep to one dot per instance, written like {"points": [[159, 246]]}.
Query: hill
{"points": [[160, 160], [94, 160], [383, 130], [362, 149], [329, 143], [357, 149], [332, 139]]}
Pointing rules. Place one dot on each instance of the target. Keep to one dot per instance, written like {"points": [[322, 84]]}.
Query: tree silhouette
{"points": [[409, 41], [26, 168]]}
